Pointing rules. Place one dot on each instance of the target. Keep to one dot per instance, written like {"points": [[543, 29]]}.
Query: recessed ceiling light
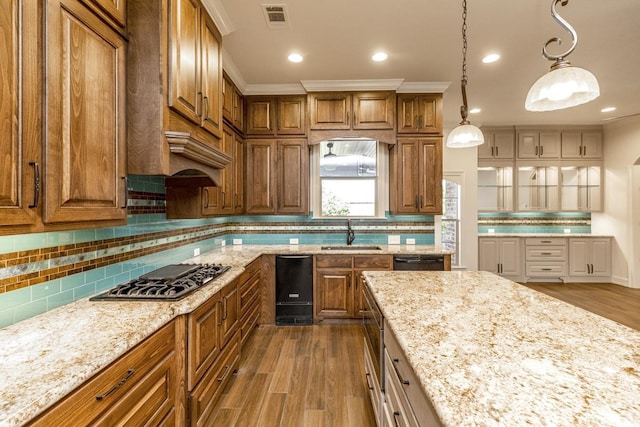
{"points": [[295, 57], [491, 58], [608, 109], [379, 56], [474, 110]]}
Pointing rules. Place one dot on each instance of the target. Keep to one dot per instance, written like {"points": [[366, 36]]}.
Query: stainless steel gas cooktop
{"points": [[167, 283]]}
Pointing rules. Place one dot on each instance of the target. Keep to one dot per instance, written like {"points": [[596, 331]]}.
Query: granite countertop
{"points": [[47, 356], [490, 352], [542, 235]]}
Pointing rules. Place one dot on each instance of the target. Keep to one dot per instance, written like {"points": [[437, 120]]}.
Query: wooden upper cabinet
{"points": [[232, 104], [351, 110], [85, 142], [293, 177], [211, 77], [420, 113], [276, 115], [195, 80], [416, 176], [261, 178], [238, 175], [20, 123]]}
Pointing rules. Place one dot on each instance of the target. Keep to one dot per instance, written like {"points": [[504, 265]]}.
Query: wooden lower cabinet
{"points": [[143, 387], [339, 284], [249, 287]]}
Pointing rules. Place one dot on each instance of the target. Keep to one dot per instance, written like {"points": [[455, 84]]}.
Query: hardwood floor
{"points": [[299, 376], [307, 376], [614, 302]]}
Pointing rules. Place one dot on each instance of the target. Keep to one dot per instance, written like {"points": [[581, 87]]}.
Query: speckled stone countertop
{"points": [[542, 235], [490, 352], [47, 356]]}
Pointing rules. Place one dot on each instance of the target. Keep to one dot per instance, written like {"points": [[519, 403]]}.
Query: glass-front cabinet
{"points": [[495, 188], [538, 188], [581, 188]]}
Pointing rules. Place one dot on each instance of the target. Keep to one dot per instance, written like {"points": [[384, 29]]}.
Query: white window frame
{"points": [[382, 184]]}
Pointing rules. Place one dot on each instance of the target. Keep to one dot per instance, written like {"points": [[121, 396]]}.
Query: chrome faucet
{"points": [[351, 236]]}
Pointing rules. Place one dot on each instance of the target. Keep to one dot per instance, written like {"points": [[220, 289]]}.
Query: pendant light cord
{"points": [[464, 109]]}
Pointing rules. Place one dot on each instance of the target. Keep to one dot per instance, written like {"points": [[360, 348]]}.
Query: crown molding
{"points": [[232, 71], [423, 87], [219, 15], [274, 89], [350, 85]]}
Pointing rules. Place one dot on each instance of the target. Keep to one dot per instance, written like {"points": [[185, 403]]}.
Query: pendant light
{"points": [[465, 135], [563, 86]]}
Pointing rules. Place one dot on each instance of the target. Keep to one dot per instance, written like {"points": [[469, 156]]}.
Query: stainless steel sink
{"points": [[350, 248]]}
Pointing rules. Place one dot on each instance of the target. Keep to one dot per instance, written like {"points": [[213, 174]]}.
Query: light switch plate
{"points": [[237, 241], [196, 252], [223, 243], [411, 241], [567, 231], [492, 230], [393, 240], [293, 241]]}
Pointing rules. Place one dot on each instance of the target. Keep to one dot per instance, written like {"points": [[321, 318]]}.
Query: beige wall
{"points": [[621, 215]]}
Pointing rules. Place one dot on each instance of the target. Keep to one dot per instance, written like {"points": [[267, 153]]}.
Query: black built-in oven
{"points": [[373, 331]]}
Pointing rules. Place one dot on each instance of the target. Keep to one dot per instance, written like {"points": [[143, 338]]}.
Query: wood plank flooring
{"points": [[307, 376], [614, 302], [294, 376]]}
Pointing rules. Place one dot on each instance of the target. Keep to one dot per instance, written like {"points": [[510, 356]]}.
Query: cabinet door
{"points": [[488, 255], [528, 145], [20, 122], [549, 145], [408, 184], [85, 111], [261, 115], [211, 77], [600, 257], [334, 293], [228, 93], [211, 201], [114, 9], [238, 109], [503, 143], [579, 257], [375, 110], [571, 145], [430, 172], [330, 110], [227, 186], [230, 301], [238, 177], [261, 176], [292, 115], [203, 344], [592, 145], [293, 177], [419, 113], [485, 151], [408, 114], [509, 256], [184, 58]]}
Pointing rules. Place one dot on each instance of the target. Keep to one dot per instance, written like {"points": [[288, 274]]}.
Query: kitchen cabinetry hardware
{"points": [[224, 374], [366, 377], [119, 384], [125, 200], [395, 368], [206, 197], [36, 184], [396, 414]]}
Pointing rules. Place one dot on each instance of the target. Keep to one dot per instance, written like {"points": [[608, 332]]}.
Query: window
{"points": [[348, 178], [450, 222]]}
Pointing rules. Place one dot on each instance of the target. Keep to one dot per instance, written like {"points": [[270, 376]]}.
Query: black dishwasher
{"points": [[294, 290], [422, 262]]}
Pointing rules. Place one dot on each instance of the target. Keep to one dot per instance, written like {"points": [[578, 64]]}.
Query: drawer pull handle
{"points": [[403, 381], [546, 269], [545, 253], [367, 378], [395, 420], [36, 184], [120, 383], [545, 241], [224, 375]]}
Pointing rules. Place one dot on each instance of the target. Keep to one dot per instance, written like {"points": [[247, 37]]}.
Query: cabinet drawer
{"points": [[375, 394], [546, 253], [543, 241], [203, 344], [204, 397], [249, 292], [398, 410], [372, 261], [334, 261], [546, 269], [120, 385], [249, 322]]}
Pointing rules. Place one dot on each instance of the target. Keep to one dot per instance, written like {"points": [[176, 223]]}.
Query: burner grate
{"points": [[167, 283]]}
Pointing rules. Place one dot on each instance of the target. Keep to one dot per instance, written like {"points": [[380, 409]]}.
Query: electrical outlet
{"points": [[393, 240], [293, 241], [237, 241], [223, 243], [492, 230], [567, 231], [411, 241], [196, 252]]}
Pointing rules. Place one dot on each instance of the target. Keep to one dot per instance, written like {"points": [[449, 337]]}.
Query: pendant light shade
{"points": [[563, 86], [465, 135]]}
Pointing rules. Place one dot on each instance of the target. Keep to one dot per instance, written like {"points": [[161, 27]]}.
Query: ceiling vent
{"points": [[276, 15]]}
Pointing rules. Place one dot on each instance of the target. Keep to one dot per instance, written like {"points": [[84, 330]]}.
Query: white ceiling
{"points": [[424, 41]]}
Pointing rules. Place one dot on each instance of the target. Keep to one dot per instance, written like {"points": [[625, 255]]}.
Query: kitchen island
{"points": [[490, 352]]}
